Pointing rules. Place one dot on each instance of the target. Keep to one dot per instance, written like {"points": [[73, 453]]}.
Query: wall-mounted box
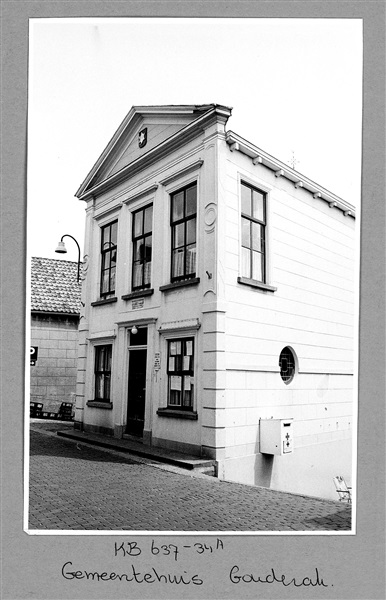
{"points": [[276, 436]]}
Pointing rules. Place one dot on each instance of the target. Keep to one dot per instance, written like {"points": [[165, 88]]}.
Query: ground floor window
{"points": [[180, 369], [103, 372]]}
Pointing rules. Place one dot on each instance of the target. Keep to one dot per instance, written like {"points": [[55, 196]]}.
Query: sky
{"points": [[295, 86]]}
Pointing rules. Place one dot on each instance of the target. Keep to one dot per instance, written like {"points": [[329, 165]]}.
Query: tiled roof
{"points": [[54, 287]]}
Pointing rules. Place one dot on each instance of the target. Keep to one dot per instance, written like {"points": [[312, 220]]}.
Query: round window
{"points": [[287, 365]]}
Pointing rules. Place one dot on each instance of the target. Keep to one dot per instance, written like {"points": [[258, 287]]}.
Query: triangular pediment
{"points": [[142, 130]]}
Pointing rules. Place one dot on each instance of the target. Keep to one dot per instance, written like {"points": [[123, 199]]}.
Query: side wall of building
{"points": [[53, 377], [312, 264]]}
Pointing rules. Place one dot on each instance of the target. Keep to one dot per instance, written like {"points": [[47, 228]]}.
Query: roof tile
{"points": [[54, 287]]}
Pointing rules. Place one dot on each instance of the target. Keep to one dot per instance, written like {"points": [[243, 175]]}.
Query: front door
{"points": [[137, 392]]}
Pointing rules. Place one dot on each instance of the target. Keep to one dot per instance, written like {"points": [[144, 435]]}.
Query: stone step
{"points": [[185, 461], [210, 471]]}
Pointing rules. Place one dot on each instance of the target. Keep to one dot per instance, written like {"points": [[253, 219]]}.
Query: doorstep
{"points": [[178, 459]]}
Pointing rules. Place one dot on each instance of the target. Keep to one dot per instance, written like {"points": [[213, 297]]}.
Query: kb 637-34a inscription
{"points": [[173, 550]]}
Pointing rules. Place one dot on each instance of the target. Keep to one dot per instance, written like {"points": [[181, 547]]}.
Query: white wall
{"points": [[311, 262]]}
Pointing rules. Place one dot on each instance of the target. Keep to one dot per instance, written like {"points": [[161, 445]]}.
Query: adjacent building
{"points": [[55, 310], [219, 302]]}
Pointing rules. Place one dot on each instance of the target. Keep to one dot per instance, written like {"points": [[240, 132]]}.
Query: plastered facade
{"points": [[239, 330]]}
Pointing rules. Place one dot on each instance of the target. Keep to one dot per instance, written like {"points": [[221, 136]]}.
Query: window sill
{"points": [[256, 284], [99, 404], [138, 294], [178, 284], [104, 301], [177, 414]]}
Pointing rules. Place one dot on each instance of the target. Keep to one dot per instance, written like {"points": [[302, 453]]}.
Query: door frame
{"points": [[136, 349], [124, 328]]}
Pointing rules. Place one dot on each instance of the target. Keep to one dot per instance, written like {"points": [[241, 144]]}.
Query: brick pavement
{"points": [[74, 486]]}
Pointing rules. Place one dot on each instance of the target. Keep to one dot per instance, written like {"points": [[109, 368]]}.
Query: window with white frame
{"points": [[183, 221], [253, 233], [142, 247], [108, 259], [180, 370], [102, 372]]}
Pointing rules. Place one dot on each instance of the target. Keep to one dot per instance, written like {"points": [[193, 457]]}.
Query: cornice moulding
{"points": [[165, 110], [258, 156], [153, 177], [187, 133], [102, 335], [183, 171], [131, 116], [136, 322], [141, 193], [186, 324], [103, 213]]}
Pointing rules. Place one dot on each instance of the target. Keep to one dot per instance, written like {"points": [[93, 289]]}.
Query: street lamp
{"points": [[61, 249]]}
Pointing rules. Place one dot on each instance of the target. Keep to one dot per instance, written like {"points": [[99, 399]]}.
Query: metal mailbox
{"points": [[276, 436]]}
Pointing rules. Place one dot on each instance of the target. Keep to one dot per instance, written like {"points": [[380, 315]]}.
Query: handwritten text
{"points": [[273, 578], [133, 575]]}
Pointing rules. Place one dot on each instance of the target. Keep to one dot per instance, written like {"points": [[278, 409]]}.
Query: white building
{"points": [[220, 294]]}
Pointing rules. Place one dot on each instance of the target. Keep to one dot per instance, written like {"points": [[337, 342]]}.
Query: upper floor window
{"points": [[183, 223], [253, 225], [103, 372], [142, 246], [109, 259]]}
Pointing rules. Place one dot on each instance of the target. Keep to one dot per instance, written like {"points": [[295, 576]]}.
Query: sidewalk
{"points": [[77, 486]]}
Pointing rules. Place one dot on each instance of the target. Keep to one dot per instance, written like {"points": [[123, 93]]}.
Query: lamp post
{"points": [[61, 249]]}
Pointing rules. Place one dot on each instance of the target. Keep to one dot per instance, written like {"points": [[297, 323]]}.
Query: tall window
{"points": [[102, 372], [109, 259], [142, 243], [183, 224], [180, 370], [253, 224]]}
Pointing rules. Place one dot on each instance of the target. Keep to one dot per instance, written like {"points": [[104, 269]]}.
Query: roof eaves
{"points": [[53, 313], [259, 156]]}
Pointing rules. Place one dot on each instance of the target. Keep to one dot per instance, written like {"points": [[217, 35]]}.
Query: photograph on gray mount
{"points": [[195, 368]]}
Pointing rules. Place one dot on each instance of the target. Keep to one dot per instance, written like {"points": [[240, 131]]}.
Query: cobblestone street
{"points": [[74, 486]]}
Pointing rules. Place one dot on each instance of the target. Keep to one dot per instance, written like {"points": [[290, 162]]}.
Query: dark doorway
{"points": [[136, 392]]}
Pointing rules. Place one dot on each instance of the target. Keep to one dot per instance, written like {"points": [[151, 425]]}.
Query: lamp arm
{"points": [[70, 236]]}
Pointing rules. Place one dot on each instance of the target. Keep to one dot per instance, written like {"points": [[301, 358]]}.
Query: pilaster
{"points": [[213, 307], [83, 322]]}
